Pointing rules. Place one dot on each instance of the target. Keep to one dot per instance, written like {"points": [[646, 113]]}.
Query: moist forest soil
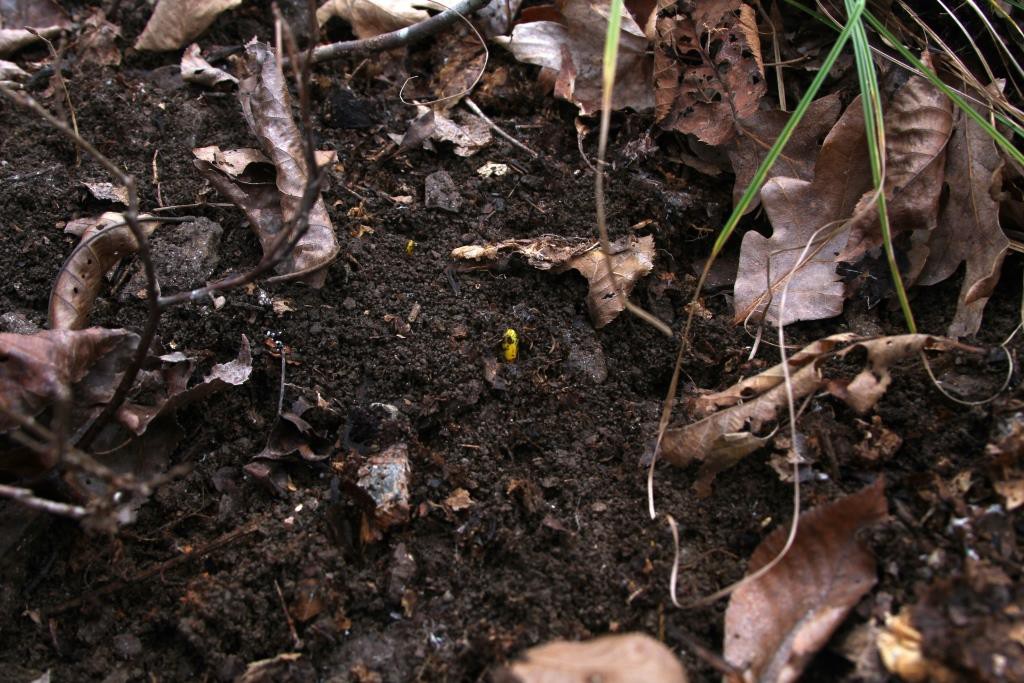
{"points": [[557, 542]]}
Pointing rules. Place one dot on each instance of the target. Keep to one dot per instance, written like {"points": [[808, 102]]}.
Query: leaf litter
{"points": [[631, 258]]}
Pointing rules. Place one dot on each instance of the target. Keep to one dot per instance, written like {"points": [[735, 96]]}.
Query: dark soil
{"points": [[557, 542]]}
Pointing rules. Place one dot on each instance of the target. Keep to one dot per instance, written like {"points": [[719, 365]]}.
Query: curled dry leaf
{"points": [[195, 69], [760, 131], [723, 438], [707, 68], [469, 135], [167, 390], [371, 18], [802, 210], [918, 123], [233, 162], [176, 23], [16, 16], [570, 48], [776, 623], [968, 228], [899, 646], [105, 241], [266, 106], [632, 258], [611, 659]]}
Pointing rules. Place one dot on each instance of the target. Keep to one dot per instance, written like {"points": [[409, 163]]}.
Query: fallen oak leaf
{"points": [[760, 131], [798, 210], [632, 258], [175, 23], [968, 227], [776, 623], [707, 70], [918, 124], [97, 43], [610, 659]]}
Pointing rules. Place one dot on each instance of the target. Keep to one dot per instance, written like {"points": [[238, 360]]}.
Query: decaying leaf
{"points": [[195, 69], [918, 123], [383, 484], [266, 106], [610, 659], [798, 209], [232, 162], [41, 368], [176, 23], [632, 258], [16, 16], [899, 645], [469, 134], [108, 192], [759, 132], [776, 623], [97, 42], [968, 228], [721, 439], [571, 46], [707, 70], [105, 241], [371, 18], [167, 390]]}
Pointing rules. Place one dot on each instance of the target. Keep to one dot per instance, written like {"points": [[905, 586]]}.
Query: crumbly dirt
{"points": [[557, 542]]}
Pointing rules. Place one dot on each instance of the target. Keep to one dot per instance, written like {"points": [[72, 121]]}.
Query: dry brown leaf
{"points": [[371, 18], [108, 192], [899, 645], [776, 623], [266, 106], [624, 658], [571, 48], [722, 439], [459, 500], [38, 368], [11, 72], [105, 241], [918, 123], [233, 162], [707, 71], [176, 23], [759, 132], [167, 391], [45, 16], [97, 42], [797, 210], [968, 228], [462, 61], [469, 135], [632, 258], [195, 69]]}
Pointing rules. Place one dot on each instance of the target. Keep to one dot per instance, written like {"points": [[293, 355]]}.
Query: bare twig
{"points": [[29, 499], [399, 38], [497, 129]]}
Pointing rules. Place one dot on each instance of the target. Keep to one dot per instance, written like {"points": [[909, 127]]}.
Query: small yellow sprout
{"points": [[409, 246], [510, 345]]}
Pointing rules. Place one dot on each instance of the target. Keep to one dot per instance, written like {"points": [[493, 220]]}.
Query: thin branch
{"points": [[27, 498], [497, 129], [399, 38]]}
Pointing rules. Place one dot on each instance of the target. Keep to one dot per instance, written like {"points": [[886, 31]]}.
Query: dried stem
{"points": [[29, 499]]}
